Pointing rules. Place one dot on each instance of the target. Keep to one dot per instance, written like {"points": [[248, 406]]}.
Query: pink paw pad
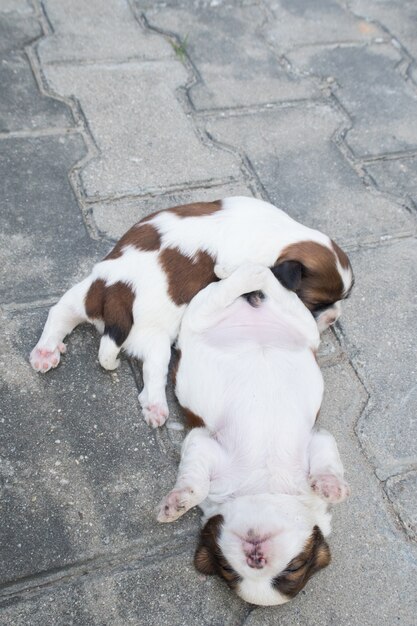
{"points": [[44, 359], [174, 505], [330, 487], [155, 414]]}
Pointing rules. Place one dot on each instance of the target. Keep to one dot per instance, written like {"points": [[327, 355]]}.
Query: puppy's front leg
{"points": [[326, 469], [209, 304], [200, 455]]}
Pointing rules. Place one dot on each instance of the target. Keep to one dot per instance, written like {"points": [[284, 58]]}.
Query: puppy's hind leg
{"points": [[63, 317], [326, 468]]}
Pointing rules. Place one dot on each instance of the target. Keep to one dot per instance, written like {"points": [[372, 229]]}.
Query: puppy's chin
{"points": [[260, 592]]}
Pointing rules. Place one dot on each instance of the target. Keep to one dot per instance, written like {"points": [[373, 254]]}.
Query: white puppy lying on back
{"points": [[257, 466]]}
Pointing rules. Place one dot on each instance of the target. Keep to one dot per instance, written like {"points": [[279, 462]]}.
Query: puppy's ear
{"points": [[289, 274], [204, 561], [205, 558]]}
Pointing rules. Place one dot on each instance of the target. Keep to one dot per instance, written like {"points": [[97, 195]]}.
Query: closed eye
{"points": [[293, 568], [322, 306]]}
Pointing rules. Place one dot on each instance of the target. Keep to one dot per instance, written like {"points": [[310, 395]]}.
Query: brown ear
{"points": [[315, 556], [204, 562], [289, 274], [205, 558]]}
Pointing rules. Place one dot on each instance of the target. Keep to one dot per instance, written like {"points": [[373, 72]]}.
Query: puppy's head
{"points": [[265, 547], [320, 275]]}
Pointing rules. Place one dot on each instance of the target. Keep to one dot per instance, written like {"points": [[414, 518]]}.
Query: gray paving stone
{"points": [[402, 491], [383, 106], [113, 218], [145, 594], [398, 17], [96, 30], [398, 177], [43, 242], [22, 107], [303, 171], [300, 22], [379, 328], [156, 145], [361, 585], [16, 6], [80, 470], [226, 44]]}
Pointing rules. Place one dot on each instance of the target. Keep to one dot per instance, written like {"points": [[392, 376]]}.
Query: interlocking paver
{"points": [[399, 18], [22, 107], [380, 326], [227, 46], [303, 171], [402, 492], [16, 6], [44, 243], [166, 592], [382, 104], [300, 22], [117, 36], [81, 471], [398, 176], [156, 145]]}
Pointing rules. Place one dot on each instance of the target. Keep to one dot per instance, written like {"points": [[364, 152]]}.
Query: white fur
{"points": [[251, 374], [245, 229]]}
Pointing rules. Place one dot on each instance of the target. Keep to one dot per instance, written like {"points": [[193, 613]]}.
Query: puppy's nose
{"points": [[256, 559]]}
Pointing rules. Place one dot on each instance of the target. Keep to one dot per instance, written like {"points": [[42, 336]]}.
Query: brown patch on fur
{"points": [[321, 283], [186, 276], [141, 236], [315, 556], [114, 305], [175, 365], [191, 419], [195, 209], [94, 300], [208, 558], [342, 256]]}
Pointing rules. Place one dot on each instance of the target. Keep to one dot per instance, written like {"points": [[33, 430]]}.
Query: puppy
{"points": [[257, 466], [137, 295]]}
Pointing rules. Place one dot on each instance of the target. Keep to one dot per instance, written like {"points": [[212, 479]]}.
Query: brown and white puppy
{"points": [[138, 294], [257, 466]]}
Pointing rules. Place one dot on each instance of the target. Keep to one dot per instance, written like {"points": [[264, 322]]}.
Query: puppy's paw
{"points": [[43, 358], [252, 277], [223, 271], [330, 488], [175, 504], [155, 414]]}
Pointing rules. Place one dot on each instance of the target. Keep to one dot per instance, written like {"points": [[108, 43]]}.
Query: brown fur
{"points": [[196, 209], [114, 305], [342, 256], [191, 419], [314, 556], [321, 282], [142, 236], [175, 365], [186, 276], [209, 558]]}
